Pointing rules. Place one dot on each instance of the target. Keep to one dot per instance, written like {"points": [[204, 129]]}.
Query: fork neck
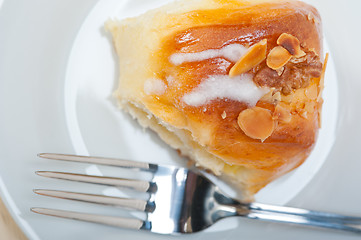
{"points": [[227, 207]]}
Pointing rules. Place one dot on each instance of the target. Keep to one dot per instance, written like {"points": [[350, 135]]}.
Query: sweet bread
{"points": [[233, 85]]}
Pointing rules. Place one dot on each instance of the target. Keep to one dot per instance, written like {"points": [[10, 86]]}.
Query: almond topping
{"points": [[254, 56], [313, 50], [256, 123], [282, 113], [277, 97], [291, 43], [278, 57]]}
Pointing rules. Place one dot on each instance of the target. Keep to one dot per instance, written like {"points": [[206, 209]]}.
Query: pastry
{"points": [[233, 85]]}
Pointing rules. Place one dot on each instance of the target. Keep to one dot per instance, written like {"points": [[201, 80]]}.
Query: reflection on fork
{"points": [[180, 200]]}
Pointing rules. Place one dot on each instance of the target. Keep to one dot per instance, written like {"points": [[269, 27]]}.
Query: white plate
{"points": [[34, 121]]}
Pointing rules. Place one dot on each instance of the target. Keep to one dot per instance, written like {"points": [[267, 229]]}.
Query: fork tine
{"points": [[138, 185], [129, 223], [135, 204], [101, 160]]}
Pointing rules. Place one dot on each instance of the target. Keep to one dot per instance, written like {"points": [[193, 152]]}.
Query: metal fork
{"points": [[181, 200]]}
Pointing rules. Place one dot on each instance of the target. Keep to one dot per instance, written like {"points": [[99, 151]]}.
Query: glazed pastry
{"points": [[233, 85]]}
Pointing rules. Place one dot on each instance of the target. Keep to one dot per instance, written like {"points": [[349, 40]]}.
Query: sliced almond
{"points": [[278, 57], [291, 43], [277, 97], [256, 123], [298, 60], [313, 50], [282, 113], [254, 56]]}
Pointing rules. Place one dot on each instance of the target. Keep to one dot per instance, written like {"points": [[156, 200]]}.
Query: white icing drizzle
{"points": [[222, 64], [232, 52], [154, 86], [240, 88]]}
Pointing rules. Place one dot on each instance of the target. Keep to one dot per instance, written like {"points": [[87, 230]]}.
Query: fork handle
{"points": [[300, 217], [303, 220], [326, 216]]}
